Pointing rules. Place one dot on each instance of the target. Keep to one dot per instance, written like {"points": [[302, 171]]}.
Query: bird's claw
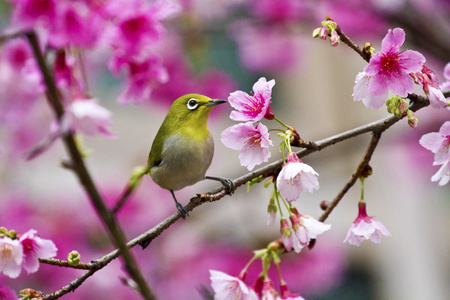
{"points": [[229, 185], [183, 212]]}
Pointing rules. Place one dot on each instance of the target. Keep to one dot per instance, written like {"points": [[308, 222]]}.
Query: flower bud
{"points": [[286, 234], [413, 121], [73, 258], [324, 204], [367, 171], [335, 39], [323, 32], [368, 49], [315, 33]]}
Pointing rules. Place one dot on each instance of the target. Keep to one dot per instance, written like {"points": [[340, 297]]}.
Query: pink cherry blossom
{"points": [[268, 291], [438, 143], [443, 175], [60, 23], [252, 44], [6, 293], [88, 117], [228, 287], [364, 228], [138, 26], [305, 228], [255, 107], [34, 248], [142, 77], [296, 177], [11, 257], [28, 12], [252, 142], [361, 92], [430, 84], [388, 70]]}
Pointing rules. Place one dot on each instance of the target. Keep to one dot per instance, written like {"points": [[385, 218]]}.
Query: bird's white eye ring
{"points": [[192, 104]]}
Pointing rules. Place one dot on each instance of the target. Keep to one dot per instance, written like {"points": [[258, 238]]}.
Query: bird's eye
{"points": [[192, 104]]}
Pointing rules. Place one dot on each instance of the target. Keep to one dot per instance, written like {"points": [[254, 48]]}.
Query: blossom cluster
{"points": [[24, 250], [252, 141], [294, 178], [229, 287]]}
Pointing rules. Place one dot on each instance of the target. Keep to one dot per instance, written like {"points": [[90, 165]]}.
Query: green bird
{"points": [[183, 148]]}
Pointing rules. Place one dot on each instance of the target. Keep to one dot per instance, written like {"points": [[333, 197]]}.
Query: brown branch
{"points": [[115, 232], [364, 162], [346, 40], [65, 264]]}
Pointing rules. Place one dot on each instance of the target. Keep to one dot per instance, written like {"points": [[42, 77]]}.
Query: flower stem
{"points": [[362, 188], [281, 122], [277, 196]]}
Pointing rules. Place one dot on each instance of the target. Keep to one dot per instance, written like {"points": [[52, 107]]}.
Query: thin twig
{"points": [[364, 162], [12, 35], [115, 232], [65, 264], [346, 40]]}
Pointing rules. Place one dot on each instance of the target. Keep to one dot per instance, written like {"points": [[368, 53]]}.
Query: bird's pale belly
{"points": [[184, 162]]}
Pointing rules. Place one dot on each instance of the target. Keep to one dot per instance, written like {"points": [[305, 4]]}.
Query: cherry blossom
{"points": [[305, 228], [388, 70], [296, 177], [430, 84], [443, 174], [365, 228], [34, 248], [252, 142], [438, 143], [6, 293], [88, 117], [11, 257], [228, 287], [253, 107]]}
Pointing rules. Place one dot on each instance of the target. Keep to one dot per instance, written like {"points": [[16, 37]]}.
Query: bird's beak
{"points": [[214, 102]]}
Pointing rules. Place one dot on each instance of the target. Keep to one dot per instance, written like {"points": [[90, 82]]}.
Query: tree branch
{"points": [[364, 162], [115, 233]]}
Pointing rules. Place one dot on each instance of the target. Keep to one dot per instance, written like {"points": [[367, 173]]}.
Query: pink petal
{"points": [[234, 137], [436, 97], [432, 141], [447, 71], [264, 87], [380, 227], [445, 129], [401, 86], [393, 40], [364, 229], [411, 61], [373, 68], [443, 174], [378, 85], [314, 227]]}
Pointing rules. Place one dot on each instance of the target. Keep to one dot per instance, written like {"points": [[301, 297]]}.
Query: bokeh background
{"points": [[217, 47]]}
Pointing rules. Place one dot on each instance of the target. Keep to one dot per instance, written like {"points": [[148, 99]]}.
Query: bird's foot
{"points": [[183, 212], [228, 183]]}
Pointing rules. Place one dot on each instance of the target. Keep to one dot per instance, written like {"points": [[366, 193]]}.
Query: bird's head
{"points": [[192, 110]]}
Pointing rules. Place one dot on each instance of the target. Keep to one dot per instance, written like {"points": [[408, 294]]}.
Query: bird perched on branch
{"points": [[183, 147]]}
